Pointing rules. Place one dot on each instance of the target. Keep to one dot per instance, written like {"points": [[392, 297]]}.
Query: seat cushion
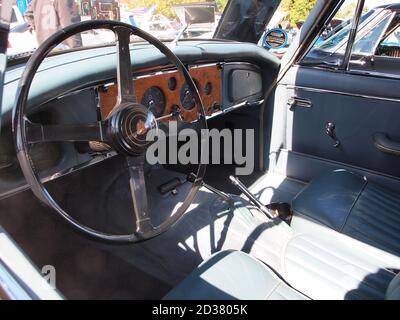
{"points": [[335, 267], [233, 275], [350, 204], [393, 292]]}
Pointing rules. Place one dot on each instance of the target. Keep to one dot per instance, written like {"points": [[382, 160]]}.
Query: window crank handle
{"points": [[330, 131]]}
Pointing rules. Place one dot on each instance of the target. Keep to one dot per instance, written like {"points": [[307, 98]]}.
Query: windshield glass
{"points": [[35, 20]]}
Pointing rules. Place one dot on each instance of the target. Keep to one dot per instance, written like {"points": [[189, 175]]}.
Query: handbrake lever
{"points": [[238, 184]]}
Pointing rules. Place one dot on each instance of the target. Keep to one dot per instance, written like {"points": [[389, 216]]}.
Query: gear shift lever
{"points": [[238, 184], [191, 177]]}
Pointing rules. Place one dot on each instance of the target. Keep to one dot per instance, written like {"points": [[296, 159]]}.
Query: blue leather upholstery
{"points": [[393, 292], [350, 204], [233, 275], [336, 268]]}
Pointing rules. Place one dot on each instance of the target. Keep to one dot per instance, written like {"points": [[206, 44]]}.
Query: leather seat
{"points": [[233, 275], [350, 204]]}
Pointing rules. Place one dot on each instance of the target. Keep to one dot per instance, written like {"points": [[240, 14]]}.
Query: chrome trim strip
{"points": [[50, 177], [343, 93], [243, 104]]}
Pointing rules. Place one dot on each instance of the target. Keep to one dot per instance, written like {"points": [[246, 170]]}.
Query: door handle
{"points": [[299, 102], [385, 144]]}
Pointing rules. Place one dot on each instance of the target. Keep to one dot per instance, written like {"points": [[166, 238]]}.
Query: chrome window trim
{"points": [[309, 89], [366, 72]]}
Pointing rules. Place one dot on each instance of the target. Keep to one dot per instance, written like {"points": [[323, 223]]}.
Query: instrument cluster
{"points": [[165, 92]]}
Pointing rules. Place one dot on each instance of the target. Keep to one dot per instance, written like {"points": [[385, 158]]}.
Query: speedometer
{"points": [[154, 100]]}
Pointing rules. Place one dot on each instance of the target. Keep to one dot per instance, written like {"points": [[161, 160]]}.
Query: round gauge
{"points": [[172, 83], [154, 100], [208, 88], [187, 98]]}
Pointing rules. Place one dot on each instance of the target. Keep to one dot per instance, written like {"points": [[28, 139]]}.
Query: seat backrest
{"points": [[393, 291]]}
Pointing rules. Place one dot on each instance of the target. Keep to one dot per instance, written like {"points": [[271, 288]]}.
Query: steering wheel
{"points": [[124, 130]]}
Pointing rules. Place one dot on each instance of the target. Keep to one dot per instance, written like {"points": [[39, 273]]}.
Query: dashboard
{"points": [[228, 75]]}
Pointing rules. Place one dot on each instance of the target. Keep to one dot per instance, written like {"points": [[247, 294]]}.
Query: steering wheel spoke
{"points": [[124, 74], [137, 185], [37, 133], [124, 131]]}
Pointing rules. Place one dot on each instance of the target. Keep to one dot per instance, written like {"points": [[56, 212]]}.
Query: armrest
{"points": [[385, 144]]}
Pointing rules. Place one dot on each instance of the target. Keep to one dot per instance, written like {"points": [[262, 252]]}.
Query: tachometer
{"points": [[154, 100], [187, 99]]}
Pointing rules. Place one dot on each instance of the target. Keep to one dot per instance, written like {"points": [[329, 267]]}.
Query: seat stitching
{"points": [[373, 242], [377, 226], [354, 203], [368, 284], [377, 221], [365, 268], [377, 289], [324, 276], [371, 197], [283, 263]]}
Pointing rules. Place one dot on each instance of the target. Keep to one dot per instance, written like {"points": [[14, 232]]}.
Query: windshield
{"points": [[35, 20]]}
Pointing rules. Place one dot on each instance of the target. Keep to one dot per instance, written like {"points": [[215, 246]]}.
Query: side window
{"points": [[367, 40], [376, 50], [376, 46], [390, 44], [330, 46]]}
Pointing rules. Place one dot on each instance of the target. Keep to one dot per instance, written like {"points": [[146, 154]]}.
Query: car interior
{"points": [[317, 219]]}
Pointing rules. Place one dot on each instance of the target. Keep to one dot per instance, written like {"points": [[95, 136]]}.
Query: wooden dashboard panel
{"points": [[208, 75]]}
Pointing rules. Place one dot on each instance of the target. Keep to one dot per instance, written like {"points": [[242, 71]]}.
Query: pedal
{"points": [[170, 186]]}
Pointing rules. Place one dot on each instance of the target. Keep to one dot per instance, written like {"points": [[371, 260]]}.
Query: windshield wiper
{"points": [[326, 64]]}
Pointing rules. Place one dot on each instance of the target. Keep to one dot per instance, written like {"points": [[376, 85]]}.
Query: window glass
{"points": [[330, 46], [378, 40], [378, 34], [369, 38], [390, 44], [37, 20]]}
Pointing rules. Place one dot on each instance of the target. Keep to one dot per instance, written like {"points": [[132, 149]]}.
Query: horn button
{"points": [[128, 128]]}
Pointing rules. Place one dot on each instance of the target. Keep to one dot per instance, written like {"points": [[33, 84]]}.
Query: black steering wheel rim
{"points": [[20, 123]]}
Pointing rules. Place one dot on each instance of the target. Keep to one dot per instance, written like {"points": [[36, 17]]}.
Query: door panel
{"points": [[359, 106]]}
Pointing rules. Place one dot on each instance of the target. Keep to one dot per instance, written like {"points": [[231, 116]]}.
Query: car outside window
{"points": [[376, 40], [368, 43], [328, 49], [390, 44]]}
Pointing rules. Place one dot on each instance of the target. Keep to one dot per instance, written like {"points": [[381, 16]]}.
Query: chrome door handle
{"points": [[299, 102]]}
